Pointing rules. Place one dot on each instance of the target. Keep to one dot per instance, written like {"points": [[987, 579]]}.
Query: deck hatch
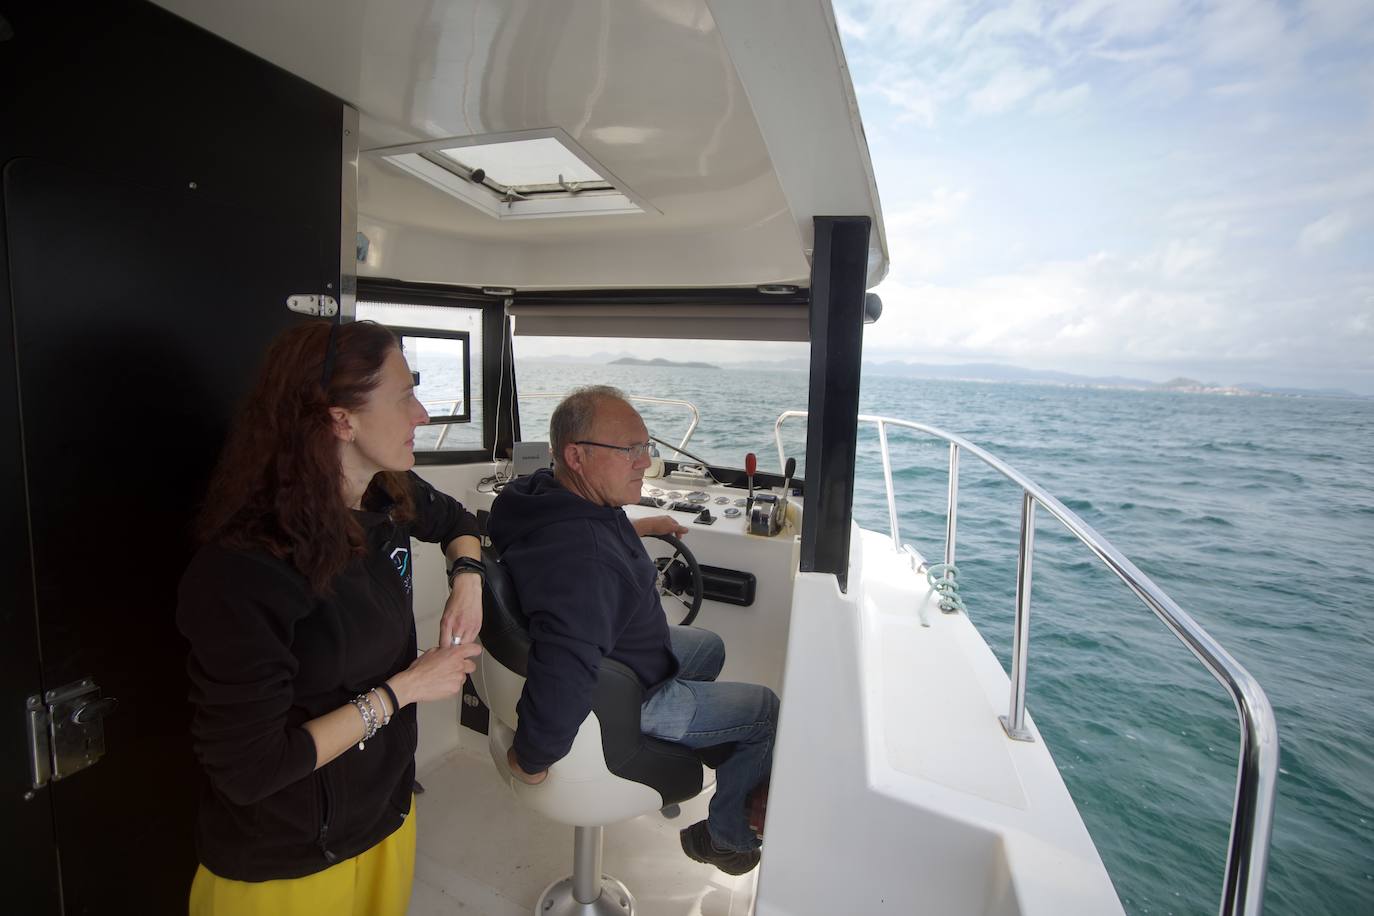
{"points": [[535, 174]]}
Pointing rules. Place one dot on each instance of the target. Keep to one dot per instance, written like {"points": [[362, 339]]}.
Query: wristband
{"points": [[465, 564], [385, 688]]}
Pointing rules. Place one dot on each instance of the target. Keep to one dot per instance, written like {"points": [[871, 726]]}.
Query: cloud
{"points": [[1178, 305], [1279, 192], [924, 235], [849, 26], [1161, 86], [1058, 102], [914, 99], [973, 58], [1183, 257], [1261, 122], [1016, 20], [1111, 22], [1243, 30], [940, 208], [1137, 54], [1337, 19], [1213, 145], [1328, 230], [1005, 88], [919, 21], [1235, 90]]}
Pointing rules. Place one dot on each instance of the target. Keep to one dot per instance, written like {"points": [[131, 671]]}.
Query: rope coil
{"points": [[946, 587]]}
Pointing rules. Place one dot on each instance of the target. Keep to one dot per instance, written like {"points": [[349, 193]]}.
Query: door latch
{"points": [[66, 730]]}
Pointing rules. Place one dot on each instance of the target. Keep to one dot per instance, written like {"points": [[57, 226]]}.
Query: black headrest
{"points": [[505, 628]]}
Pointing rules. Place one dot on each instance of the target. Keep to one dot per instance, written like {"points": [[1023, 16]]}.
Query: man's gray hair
{"points": [[573, 417]]}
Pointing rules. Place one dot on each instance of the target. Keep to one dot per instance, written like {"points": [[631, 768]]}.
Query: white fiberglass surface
{"points": [[732, 124], [972, 756], [906, 779]]}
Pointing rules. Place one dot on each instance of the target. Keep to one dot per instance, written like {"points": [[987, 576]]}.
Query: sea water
{"points": [[1255, 514]]}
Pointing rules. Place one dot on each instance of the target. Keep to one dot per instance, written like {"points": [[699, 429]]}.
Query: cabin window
{"points": [[442, 344]]}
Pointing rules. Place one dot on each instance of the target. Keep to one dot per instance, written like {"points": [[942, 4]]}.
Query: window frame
{"points": [[403, 331], [498, 420]]}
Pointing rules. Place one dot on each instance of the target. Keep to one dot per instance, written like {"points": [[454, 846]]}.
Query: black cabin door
{"points": [[139, 316]]}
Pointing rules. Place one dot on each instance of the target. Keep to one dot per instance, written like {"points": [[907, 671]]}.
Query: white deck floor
{"points": [[482, 852]]}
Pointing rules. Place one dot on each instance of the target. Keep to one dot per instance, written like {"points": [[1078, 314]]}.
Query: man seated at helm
{"points": [[590, 591]]}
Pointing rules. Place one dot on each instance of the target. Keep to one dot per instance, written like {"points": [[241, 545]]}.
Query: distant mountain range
{"points": [[632, 361], [996, 372], [987, 372]]}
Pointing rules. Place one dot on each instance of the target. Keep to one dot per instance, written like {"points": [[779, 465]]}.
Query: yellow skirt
{"points": [[373, 883]]}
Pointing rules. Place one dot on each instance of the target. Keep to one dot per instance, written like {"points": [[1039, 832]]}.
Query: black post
{"points": [[499, 405], [839, 271], [510, 394]]}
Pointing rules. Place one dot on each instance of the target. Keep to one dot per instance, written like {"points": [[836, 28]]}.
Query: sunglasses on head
{"points": [[331, 349]]}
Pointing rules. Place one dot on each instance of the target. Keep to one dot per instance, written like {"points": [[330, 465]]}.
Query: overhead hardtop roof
{"points": [[719, 129]]}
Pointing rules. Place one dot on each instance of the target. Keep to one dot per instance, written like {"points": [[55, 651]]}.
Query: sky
{"points": [[1148, 188], [1151, 188]]}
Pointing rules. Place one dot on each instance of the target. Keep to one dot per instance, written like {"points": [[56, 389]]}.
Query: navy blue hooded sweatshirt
{"points": [[589, 590]]}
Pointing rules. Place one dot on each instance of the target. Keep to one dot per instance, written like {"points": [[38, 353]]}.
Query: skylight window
{"points": [[535, 174], [525, 162]]}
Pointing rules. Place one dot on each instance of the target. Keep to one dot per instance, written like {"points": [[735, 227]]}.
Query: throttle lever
{"points": [[751, 464]]}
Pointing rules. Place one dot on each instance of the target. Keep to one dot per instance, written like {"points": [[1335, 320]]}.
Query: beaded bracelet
{"points": [[386, 716], [369, 715]]}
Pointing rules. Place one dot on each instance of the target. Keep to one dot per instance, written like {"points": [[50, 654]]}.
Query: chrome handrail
{"points": [[453, 409], [1252, 815], [691, 427]]}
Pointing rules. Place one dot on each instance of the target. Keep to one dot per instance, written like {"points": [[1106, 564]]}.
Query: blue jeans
{"points": [[694, 710]]}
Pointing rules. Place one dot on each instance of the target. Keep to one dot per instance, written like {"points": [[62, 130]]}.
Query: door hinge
{"points": [[311, 304], [66, 730]]}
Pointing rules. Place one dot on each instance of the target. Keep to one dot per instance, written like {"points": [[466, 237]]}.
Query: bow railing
{"points": [[1252, 814]]}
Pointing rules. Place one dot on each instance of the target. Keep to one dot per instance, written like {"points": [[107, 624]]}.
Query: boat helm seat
{"points": [[613, 772]]}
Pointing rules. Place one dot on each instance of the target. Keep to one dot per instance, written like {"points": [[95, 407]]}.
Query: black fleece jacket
{"points": [[588, 588], [268, 655]]}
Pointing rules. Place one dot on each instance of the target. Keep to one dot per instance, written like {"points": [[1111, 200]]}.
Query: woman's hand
{"points": [[658, 524], [463, 610], [435, 675]]}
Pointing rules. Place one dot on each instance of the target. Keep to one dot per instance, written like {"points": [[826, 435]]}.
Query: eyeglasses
{"points": [[632, 452]]}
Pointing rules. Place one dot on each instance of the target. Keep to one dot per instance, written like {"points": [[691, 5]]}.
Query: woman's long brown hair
{"points": [[279, 482]]}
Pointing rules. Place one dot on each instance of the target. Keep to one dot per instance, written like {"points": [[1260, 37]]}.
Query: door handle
{"points": [[94, 711]]}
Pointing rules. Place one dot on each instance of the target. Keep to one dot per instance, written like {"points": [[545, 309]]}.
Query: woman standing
{"points": [[303, 650]]}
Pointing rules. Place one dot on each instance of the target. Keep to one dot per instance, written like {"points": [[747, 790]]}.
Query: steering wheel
{"points": [[679, 576]]}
